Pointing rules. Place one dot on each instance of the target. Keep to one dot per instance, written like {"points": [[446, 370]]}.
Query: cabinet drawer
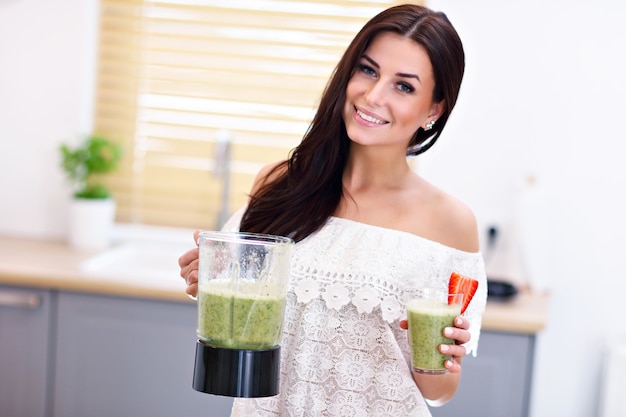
{"points": [[25, 329]]}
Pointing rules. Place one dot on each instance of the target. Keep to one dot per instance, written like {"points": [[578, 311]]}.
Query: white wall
{"points": [[47, 55], [543, 96]]}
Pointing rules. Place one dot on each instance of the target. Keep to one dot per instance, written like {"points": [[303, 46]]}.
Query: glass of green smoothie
{"points": [[242, 292], [429, 311]]}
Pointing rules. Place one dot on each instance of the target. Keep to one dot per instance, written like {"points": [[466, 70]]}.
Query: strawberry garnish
{"points": [[461, 284]]}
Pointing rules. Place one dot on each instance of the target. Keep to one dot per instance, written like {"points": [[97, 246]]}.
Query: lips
{"points": [[369, 118]]}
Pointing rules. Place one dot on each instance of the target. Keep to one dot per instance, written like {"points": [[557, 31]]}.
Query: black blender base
{"points": [[236, 373]]}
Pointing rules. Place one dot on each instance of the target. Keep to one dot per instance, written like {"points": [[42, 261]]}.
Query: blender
{"points": [[242, 290]]}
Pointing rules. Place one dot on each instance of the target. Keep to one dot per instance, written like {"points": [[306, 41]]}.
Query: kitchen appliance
{"points": [[242, 290]]}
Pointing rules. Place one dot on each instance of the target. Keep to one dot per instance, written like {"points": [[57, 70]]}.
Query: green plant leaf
{"points": [[95, 155], [97, 191]]}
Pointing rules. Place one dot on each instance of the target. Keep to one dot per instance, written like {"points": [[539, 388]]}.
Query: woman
{"points": [[368, 229]]}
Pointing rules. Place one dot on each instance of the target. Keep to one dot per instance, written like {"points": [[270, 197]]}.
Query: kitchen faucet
{"points": [[222, 172]]}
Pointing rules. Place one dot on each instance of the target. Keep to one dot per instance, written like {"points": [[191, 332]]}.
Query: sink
{"points": [[156, 262]]}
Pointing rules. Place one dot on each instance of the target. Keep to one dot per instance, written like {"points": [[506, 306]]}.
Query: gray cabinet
{"points": [[25, 340], [497, 381], [127, 357], [70, 354]]}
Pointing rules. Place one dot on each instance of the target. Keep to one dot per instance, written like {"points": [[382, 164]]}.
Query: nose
{"points": [[375, 94]]}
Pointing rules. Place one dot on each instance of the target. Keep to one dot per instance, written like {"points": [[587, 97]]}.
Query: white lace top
{"points": [[343, 352]]}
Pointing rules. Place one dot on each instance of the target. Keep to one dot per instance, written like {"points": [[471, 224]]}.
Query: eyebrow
{"points": [[399, 74]]}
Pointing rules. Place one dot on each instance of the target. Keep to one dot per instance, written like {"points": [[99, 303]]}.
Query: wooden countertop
{"points": [[54, 265], [50, 264], [525, 313]]}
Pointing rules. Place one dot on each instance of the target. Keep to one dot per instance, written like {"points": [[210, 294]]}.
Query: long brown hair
{"points": [[299, 200]]}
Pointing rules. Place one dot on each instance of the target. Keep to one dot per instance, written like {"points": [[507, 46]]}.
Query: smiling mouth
{"points": [[369, 118]]}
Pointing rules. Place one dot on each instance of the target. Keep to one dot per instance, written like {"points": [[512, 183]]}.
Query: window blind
{"points": [[178, 79]]}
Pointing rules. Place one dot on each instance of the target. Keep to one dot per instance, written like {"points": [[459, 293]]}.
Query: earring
{"points": [[429, 125]]}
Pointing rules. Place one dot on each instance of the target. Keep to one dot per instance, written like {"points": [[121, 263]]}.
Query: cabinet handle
{"points": [[16, 299]]}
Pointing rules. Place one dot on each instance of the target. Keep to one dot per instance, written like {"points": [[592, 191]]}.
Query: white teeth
{"points": [[369, 118]]}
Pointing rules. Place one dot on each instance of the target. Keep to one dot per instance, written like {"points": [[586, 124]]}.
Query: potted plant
{"points": [[92, 208]]}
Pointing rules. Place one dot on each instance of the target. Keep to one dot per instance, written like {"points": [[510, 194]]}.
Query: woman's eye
{"points": [[366, 69], [405, 88]]}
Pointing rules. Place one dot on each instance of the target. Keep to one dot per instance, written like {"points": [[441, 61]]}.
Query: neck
{"points": [[371, 169]]}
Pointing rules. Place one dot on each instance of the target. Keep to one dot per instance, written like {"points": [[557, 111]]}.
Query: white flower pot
{"points": [[91, 223]]}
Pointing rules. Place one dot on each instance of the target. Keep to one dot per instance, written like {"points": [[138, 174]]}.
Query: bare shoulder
{"points": [[267, 173], [451, 221]]}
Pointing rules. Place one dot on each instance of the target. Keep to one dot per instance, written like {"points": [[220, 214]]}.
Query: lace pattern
{"points": [[343, 353]]}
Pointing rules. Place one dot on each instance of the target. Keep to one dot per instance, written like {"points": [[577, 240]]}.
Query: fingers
{"points": [[453, 366], [191, 277], [196, 234], [459, 332], [461, 323], [190, 272], [192, 290], [461, 335], [456, 351], [188, 263], [188, 258]]}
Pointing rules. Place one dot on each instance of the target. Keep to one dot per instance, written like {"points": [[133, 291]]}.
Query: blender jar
{"points": [[242, 290]]}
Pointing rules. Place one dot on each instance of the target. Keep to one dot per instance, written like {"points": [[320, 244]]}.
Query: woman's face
{"points": [[390, 93]]}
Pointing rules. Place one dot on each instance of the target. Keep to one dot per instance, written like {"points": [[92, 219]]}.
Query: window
{"points": [[188, 85]]}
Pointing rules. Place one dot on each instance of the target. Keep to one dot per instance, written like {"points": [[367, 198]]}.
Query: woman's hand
{"points": [[439, 389], [188, 263], [460, 334]]}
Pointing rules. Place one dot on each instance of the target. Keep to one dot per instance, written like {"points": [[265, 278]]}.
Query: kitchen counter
{"points": [[50, 264]]}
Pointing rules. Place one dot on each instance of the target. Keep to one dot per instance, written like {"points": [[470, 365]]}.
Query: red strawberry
{"points": [[462, 284]]}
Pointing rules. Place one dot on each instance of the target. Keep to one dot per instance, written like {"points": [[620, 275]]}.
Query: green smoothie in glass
{"points": [[427, 319], [250, 318]]}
